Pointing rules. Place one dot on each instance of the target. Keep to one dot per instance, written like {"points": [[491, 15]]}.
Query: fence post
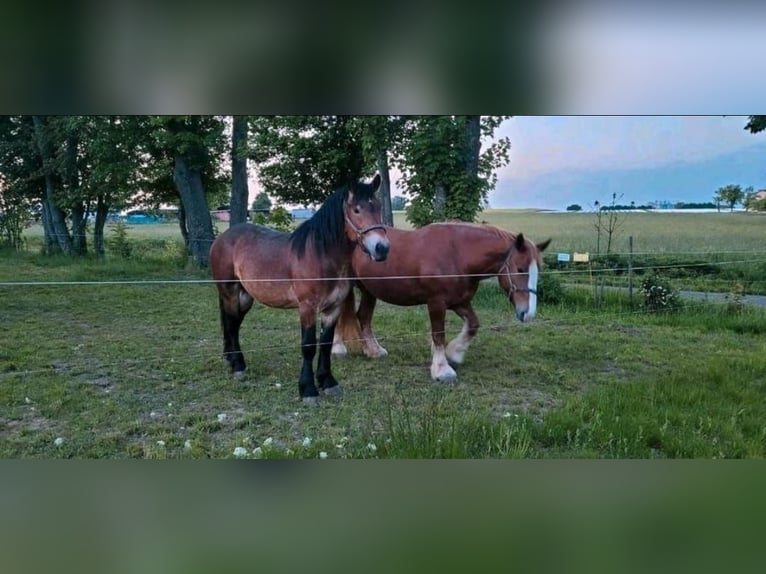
{"points": [[630, 270]]}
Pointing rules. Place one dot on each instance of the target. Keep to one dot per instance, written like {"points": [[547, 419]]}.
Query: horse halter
{"points": [[360, 232], [507, 266]]}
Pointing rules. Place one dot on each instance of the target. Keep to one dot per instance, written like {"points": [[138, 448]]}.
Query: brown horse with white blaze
{"points": [[441, 265], [307, 269]]}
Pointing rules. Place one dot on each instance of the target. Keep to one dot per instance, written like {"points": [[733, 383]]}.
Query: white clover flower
{"points": [[59, 441], [371, 446], [278, 385], [187, 445], [240, 452], [160, 443], [323, 455], [27, 400], [221, 417], [268, 441], [153, 414], [506, 415], [306, 441]]}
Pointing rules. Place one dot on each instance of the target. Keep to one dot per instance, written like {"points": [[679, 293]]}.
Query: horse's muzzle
{"points": [[381, 251], [376, 247]]}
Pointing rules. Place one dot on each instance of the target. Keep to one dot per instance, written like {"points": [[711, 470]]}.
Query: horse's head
{"points": [[519, 273], [364, 224]]}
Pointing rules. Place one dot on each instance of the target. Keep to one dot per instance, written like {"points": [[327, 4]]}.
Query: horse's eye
{"points": [[357, 210]]}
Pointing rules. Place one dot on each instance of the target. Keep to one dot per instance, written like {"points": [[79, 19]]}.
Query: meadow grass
{"points": [[135, 370]]}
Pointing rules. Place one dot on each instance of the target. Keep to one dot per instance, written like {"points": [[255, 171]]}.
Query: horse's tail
{"points": [[347, 329]]}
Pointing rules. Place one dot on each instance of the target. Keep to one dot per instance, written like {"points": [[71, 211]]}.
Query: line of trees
{"points": [[73, 169]]}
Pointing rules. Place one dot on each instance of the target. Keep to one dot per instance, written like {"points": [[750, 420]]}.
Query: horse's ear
{"points": [[350, 196], [520, 244], [543, 245], [375, 183]]}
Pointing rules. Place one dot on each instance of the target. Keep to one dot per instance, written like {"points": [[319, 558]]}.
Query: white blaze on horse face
{"points": [[532, 285], [371, 242]]}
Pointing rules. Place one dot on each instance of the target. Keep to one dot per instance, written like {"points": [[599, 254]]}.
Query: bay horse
{"points": [[307, 269], [440, 265]]}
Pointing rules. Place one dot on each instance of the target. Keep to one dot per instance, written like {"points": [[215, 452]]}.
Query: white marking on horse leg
{"points": [[440, 369], [338, 346], [532, 284], [459, 345], [372, 348]]}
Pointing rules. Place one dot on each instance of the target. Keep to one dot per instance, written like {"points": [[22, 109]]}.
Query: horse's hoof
{"points": [[335, 392], [311, 401], [446, 378], [239, 375], [339, 351]]}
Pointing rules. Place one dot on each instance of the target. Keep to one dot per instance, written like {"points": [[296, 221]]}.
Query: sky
{"points": [[693, 153]]}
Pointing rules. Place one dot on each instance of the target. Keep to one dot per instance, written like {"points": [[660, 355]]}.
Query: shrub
{"points": [[658, 295], [549, 289], [118, 243]]}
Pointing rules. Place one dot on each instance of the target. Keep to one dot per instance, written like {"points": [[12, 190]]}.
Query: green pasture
{"points": [[131, 367]]}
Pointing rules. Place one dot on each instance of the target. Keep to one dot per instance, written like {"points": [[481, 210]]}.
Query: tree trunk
{"points": [[200, 227], [50, 243], [56, 216], [79, 217], [78, 214], [239, 189], [102, 210], [440, 202], [385, 187], [182, 224], [473, 145]]}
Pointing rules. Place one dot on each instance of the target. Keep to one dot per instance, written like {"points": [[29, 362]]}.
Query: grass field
{"points": [[134, 370]]}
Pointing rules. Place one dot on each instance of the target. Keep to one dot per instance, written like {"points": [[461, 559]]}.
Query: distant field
{"points": [[652, 232]]}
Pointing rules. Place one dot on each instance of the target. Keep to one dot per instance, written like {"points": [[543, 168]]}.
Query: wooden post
{"points": [[630, 270]]}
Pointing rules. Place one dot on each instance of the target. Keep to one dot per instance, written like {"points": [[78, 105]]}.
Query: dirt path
{"points": [[759, 300]]}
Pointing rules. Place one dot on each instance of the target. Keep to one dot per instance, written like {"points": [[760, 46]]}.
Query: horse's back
{"points": [[245, 243]]}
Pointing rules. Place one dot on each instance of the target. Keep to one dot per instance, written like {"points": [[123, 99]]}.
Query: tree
{"points": [[303, 159], [262, 202], [444, 171], [756, 124], [239, 189], [609, 221], [753, 203], [730, 194], [194, 145], [574, 207], [398, 203]]}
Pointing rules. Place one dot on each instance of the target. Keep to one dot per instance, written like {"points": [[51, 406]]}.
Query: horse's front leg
{"points": [[327, 383], [366, 308], [459, 345], [306, 388], [440, 368]]}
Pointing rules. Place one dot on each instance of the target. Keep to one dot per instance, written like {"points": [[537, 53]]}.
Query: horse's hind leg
{"points": [[459, 345], [366, 308], [440, 368], [234, 303]]}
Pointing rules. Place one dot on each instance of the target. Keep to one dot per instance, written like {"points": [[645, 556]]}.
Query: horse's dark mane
{"points": [[326, 228]]}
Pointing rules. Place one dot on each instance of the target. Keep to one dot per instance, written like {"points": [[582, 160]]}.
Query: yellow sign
{"points": [[581, 257]]}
